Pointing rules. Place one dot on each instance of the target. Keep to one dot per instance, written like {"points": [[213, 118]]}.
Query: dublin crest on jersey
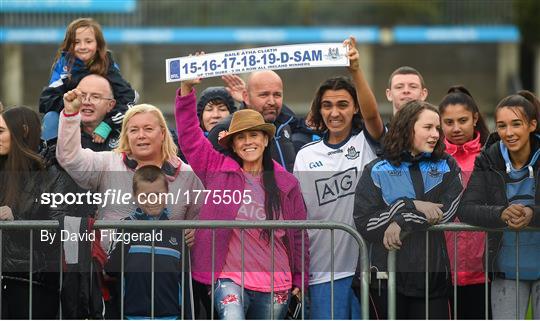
{"points": [[113, 143], [352, 153], [434, 172]]}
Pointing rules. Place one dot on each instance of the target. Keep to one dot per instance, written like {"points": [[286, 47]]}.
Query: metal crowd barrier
{"points": [[455, 227], [30, 226], [213, 225]]}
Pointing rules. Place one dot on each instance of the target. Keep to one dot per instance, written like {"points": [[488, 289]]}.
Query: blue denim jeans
{"points": [[255, 305], [346, 305]]}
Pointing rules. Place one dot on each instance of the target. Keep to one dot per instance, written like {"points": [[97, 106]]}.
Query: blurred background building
{"points": [[490, 46]]}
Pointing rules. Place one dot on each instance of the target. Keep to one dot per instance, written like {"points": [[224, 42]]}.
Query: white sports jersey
{"points": [[328, 175]]}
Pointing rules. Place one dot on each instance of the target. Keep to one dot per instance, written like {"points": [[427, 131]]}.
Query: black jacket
{"points": [[52, 97], [283, 150], [302, 134], [384, 195], [485, 197], [16, 244], [81, 294]]}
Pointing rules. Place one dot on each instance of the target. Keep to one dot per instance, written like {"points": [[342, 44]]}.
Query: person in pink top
{"points": [[465, 133], [268, 192]]}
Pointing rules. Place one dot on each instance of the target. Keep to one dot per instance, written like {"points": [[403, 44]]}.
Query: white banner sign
{"points": [[248, 60]]}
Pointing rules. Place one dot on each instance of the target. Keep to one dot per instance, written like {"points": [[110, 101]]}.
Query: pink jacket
{"points": [[470, 245], [218, 172]]}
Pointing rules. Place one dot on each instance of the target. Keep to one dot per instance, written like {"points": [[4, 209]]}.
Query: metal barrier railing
{"points": [[454, 227], [151, 225], [26, 225]]}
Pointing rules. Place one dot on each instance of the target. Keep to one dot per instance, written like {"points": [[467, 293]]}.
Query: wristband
{"points": [[103, 130], [69, 115]]}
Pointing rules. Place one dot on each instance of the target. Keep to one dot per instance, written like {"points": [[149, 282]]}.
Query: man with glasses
{"points": [[97, 101]]}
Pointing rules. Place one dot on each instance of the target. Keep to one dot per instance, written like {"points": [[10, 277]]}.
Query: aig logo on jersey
{"points": [[337, 186]]}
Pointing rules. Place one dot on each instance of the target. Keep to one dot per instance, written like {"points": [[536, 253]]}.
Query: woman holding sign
{"points": [[328, 171], [247, 186]]}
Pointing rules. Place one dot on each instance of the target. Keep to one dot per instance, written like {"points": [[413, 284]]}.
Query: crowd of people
{"points": [[429, 165]]}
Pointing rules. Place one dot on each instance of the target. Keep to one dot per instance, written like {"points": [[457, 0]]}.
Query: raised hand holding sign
{"points": [[253, 59]]}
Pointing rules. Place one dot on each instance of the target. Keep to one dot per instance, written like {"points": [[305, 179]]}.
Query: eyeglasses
{"points": [[93, 98]]}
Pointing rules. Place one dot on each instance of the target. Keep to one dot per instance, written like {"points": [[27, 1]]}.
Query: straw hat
{"points": [[246, 119]]}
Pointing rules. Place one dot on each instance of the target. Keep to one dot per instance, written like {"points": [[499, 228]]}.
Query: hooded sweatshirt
{"points": [[520, 189]]}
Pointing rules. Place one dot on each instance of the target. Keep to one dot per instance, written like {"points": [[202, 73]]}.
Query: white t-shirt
{"points": [[328, 175]]}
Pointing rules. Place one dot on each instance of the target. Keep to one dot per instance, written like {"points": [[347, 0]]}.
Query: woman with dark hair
{"points": [[470, 126], [214, 105], [268, 192], [24, 177], [465, 133], [503, 191], [413, 186], [328, 171]]}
